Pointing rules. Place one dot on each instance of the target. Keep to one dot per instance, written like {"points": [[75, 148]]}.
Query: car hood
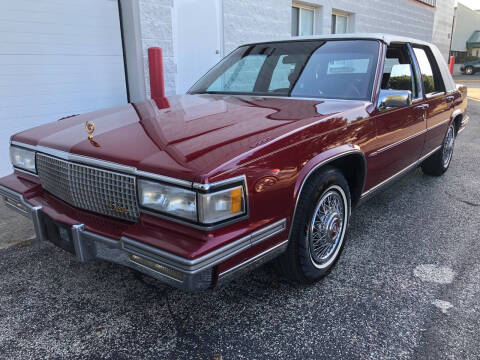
{"points": [[188, 135]]}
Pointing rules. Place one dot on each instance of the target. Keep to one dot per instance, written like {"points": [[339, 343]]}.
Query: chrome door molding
{"points": [[369, 192], [390, 146]]}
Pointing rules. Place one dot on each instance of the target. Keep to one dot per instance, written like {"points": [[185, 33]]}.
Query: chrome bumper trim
{"points": [[197, 274], [37, 223], [208, 260]]}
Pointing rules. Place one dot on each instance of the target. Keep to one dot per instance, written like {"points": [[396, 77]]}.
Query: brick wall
{"points": [[252, 20], [442, 28], [156, 27], [399, 17]]}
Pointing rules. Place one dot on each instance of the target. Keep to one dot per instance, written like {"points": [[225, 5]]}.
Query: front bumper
{"points": [[187, 274]]}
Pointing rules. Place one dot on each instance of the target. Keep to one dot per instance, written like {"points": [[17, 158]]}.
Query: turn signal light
{"points": [[177, 275]]}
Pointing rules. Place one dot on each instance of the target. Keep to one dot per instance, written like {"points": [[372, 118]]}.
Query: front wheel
{"points": [[439, 162], [318, 229], [469, 70]]}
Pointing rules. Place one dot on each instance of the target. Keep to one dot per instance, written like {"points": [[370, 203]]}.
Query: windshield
{"points": [[340, 69]]}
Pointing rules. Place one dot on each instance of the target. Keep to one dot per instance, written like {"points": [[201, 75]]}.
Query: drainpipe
{"points": [[157, 79]]}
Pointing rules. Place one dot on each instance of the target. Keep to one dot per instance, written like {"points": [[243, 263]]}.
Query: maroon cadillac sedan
{"points": [[263, 158]]}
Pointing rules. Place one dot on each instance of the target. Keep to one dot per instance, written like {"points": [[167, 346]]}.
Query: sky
{"points": [[472, 4]]}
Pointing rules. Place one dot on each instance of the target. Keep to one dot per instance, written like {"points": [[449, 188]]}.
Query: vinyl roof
{"points": [[386, 38]]}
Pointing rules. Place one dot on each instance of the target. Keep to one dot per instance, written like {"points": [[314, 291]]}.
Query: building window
{"points": [[339, 23], [302, 20]]}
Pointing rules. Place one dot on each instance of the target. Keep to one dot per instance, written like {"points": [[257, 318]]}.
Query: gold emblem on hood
{"points": [[90, 127]]}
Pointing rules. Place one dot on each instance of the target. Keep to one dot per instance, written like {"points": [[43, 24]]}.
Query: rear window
{"points": [[342, 69]]}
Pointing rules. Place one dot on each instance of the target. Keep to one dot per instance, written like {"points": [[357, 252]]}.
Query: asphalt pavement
{"points": [[406, 287]]}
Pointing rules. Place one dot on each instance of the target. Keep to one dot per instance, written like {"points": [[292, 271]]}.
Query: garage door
{"points": [[57, 58]]}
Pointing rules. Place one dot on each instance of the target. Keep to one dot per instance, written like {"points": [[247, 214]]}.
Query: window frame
{"points": [[417, 74], [437, 75], [417, 81], [305, 7], [342, 14], [222, 66]]}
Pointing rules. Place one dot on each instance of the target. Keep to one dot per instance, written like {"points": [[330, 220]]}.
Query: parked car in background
{"points": [[470, 67], [265, 157]]}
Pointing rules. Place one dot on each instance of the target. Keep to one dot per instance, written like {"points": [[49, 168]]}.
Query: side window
{"points": [[398, 71], [431, 77], [241, 76], [281, 74]]}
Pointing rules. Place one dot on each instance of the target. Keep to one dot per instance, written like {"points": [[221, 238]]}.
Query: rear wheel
{"points": [[469, 70], [318, 230], [439, 162]]}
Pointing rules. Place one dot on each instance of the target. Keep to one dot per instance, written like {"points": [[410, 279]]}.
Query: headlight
{"points": [[199, 207], [23, 158], [221, 205], [167, 199]]}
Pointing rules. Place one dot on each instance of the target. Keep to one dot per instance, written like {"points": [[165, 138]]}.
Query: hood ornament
{"points": [[90, 127]]}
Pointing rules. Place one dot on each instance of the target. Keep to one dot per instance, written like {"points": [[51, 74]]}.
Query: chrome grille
{"points": [[89, 188]]}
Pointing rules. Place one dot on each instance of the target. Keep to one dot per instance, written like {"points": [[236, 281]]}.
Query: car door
{"points": [[401, 130], [439, 104], [476, 66]]}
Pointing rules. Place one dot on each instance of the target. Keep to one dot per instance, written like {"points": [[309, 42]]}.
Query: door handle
{"points": [[422, 107]]}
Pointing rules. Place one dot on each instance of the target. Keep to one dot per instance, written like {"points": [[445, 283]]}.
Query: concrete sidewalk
{"points": [[15, 229], [473, 93]]}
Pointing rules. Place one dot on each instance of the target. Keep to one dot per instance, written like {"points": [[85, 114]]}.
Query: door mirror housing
{"points": [[388, 99]]}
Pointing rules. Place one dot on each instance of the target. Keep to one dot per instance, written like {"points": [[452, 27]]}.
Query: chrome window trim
{"points": [[434, 95], [319, 99], [377, 84]]}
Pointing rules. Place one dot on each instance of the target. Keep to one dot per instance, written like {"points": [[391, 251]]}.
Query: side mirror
{"points": [[388, 99]]}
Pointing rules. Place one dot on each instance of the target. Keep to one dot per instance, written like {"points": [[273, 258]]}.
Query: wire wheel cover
{"points": [[448, 146], [326, 226]]}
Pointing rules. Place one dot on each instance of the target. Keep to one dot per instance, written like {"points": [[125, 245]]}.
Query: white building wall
{"points": [[466, 22], [442, 27], [399, 17], [156, 24], [252, 20]]}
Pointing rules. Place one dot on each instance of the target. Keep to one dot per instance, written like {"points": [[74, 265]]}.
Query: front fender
{"points": [[321, 160]]}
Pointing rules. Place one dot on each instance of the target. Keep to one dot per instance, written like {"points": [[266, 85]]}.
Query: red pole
{"points": [[451, 63], [157, 80]]}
